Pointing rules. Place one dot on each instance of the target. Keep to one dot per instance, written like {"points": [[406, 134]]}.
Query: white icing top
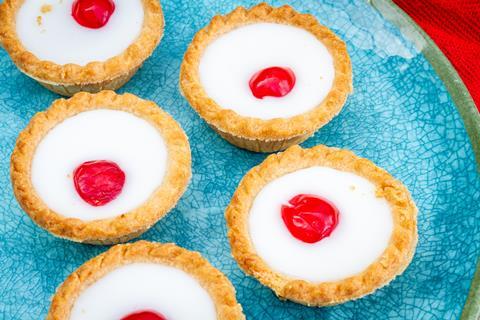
{"points": [[230, 61], [364, 227], [144, 287], [55, 35], [118, 136]]}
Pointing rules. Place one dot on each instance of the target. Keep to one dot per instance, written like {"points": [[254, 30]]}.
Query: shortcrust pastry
{"points": [[146, 281], [321, 226], [80, 45], [100, 168], [266, 78]]}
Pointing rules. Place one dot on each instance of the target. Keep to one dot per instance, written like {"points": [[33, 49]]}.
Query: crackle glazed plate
{"points": [[409, 113]]}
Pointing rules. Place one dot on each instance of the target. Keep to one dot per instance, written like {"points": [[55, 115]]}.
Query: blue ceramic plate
{"points": [[401, 116]]}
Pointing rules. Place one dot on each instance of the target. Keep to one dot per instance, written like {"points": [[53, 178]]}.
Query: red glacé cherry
{"points": [[98, 182], [310, 218], [144, 315], [273, 82], [92, 14]]}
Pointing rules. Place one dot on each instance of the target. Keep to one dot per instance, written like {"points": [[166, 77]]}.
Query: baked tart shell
{"points": [[392, 262], [212, 280], [252, 133], [71, 78], [129, 224]]}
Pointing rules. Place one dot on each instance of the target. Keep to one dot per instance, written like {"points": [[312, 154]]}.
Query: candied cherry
{"points": [[144, 315], [272, 82], [92, 14], [309, 218], [98, 182]]}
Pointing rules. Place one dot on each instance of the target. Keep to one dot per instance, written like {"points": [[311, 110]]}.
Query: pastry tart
{"points": [[80, 45], [146, 281], [266, 78], [100, 168], [321, 226]]}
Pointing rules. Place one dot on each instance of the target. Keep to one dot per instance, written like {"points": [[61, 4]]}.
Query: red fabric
{"points": [[454, 25]]}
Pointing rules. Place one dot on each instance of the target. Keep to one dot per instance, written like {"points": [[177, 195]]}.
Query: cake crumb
{"points": [[352, 187], [39, 20], [46, 8]]}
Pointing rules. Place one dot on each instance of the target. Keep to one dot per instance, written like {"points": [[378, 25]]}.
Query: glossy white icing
{"points": [[54, 35], [144, 286], [230, 61], [118, 136], [362, 234]]}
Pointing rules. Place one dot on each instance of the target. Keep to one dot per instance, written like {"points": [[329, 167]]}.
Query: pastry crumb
{"points": [[46, 8], [39, 20], [352, 187]]}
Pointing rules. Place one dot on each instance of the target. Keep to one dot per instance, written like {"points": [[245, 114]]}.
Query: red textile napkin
{"points": [[454, 25]]}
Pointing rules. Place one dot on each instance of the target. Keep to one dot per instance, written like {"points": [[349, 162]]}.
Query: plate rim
{"points": [[463, 102]]}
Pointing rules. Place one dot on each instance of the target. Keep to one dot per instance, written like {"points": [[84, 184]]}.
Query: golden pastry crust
{"points": [[75, 75], [229, 122], [212, 280], [71, 89], [127, 225], [391, 263]]}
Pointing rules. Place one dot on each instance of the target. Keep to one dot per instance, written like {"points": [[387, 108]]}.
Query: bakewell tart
{"points": [[266, 78], [80, 45], [100, 168], [146, 281], [321, 226]]}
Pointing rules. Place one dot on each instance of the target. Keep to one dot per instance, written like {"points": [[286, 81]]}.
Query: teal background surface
{"points": [[400, 116]]}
